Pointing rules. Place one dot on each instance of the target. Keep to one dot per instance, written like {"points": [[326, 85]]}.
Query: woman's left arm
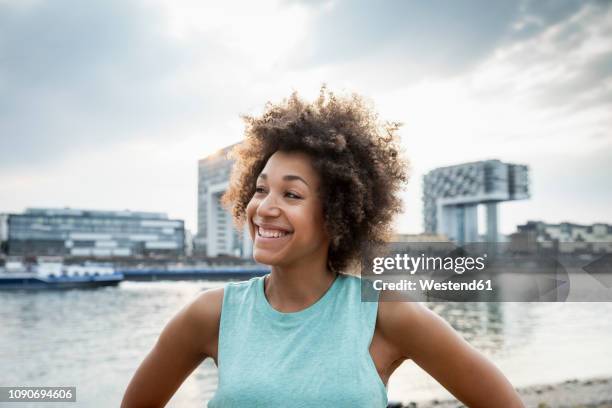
{"points": [[421, 335]]}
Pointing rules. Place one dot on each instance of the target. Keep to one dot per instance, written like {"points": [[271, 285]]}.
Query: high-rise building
{"points": [[216, 232], [93, 233], [3, 227], [452, 194], [3, 232]]}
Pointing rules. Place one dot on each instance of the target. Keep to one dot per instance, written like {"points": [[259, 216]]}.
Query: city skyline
{"points": [[111, 106]]}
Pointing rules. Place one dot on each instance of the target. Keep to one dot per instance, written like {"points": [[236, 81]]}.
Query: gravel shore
{"points": [[590, 393]]}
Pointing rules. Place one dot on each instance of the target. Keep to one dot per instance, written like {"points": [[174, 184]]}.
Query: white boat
{"points": [[56, 275]]}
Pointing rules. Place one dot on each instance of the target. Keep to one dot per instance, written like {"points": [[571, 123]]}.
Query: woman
{"points": [[312, 182]]}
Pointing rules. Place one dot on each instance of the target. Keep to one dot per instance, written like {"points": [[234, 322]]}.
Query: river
{"points": [[95, 339]]}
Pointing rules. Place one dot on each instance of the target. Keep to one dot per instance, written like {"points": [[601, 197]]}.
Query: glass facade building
{"points": [[216, 233], [92, 233]]}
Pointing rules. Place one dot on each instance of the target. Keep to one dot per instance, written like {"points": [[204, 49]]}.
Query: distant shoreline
{"points": [[588, 393]]}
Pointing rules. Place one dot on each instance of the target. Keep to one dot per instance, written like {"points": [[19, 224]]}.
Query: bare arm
{"points": [[184, 343], [421, 335]]}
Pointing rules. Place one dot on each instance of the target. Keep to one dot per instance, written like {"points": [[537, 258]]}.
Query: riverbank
{"points": [[589, 393]]}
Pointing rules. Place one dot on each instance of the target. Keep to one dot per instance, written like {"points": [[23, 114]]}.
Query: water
{"points": [[95, 340]]}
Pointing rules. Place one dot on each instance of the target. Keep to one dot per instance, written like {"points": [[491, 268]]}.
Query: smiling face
{"points": [[285, 214]]}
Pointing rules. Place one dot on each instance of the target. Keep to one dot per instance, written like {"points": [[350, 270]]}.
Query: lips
{"points": [[271, 232]]}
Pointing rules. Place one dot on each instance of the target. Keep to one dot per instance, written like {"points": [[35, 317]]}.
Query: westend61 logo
{"points": [[411, 264]]}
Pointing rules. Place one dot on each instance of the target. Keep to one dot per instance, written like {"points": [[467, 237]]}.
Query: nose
{"points": [[268, 207]]}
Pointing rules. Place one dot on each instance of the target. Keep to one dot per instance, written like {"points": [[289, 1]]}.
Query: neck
{"points": [[291, 289]]}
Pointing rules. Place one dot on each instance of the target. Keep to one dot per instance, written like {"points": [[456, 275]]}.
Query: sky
{"points": [[109, 104]]}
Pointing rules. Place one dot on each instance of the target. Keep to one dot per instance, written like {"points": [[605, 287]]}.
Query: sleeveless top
{"points": [[316, 357]]}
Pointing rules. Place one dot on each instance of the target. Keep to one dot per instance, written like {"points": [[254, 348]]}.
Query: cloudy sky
{"points": [[108, 104]]}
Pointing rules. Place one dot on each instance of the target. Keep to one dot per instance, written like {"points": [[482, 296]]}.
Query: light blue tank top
{"points": [[316, 357]]}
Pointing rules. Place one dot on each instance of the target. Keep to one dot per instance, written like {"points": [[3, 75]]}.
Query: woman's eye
{"points": [[288, 194]]}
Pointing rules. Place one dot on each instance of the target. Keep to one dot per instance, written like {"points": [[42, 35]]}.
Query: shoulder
{"points": [[200, 319], [208, 304], [193, 329], [394, 311], [353, 287], [205, 309], [404, 322]]}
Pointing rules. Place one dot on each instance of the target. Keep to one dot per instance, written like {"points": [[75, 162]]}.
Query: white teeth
{"points": [[271, 233]]}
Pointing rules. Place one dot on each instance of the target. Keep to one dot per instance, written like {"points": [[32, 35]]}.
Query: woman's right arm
{"points": [[189, 338]]}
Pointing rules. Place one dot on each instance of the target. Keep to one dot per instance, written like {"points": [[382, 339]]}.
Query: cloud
{"points": [[537, 15], [440, 35], [124, 91], [76, 75], [568, 65]]}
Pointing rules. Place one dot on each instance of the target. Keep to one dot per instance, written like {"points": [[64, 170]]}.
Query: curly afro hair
{"points": [[358, 159]]}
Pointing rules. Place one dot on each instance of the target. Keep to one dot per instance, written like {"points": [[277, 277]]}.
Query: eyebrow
{"points": [[287, 177]]}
